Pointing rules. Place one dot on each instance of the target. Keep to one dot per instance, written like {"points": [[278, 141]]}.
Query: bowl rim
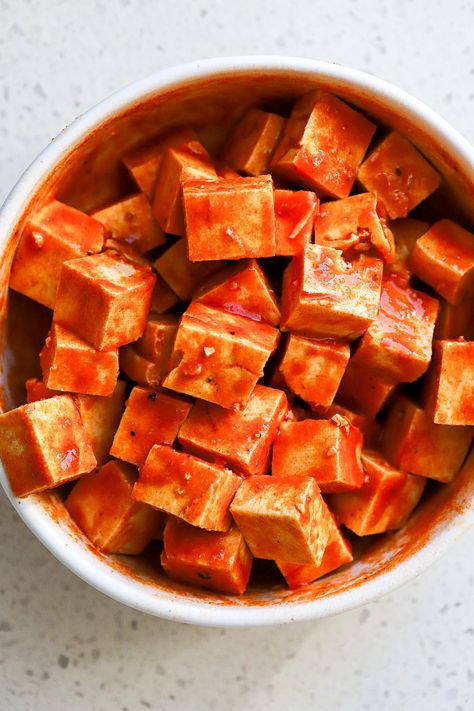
{"points": [[50, 534]]}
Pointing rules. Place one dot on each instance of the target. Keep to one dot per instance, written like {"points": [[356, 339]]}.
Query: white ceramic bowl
{"points": [[208, 92]]}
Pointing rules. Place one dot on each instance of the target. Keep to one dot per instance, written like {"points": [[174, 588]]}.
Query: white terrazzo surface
{"points": [[64, 646]]}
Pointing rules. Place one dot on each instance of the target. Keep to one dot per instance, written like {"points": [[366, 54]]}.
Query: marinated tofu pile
{"points": [[257, 354]]}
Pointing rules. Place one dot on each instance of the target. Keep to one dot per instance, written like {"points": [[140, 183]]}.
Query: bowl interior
{"points": [[86, 172]]}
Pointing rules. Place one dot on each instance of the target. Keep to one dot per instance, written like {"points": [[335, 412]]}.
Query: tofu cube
{"points": [[156, 343], [162, 297], [219, 356], [104, 299], [455, 321], [149, 418], [323, 144], [399, 175], [353, 223], [406, 231], [383, 503], [449, 386], [101, 504], [363, 390], [282, 519], [241, 289], [43, 444], [413, 442], [397, 345], [313, 369], [140, 369], [327, 450], [325, 296], [444, 258], [338, 552], [131, 221], [295, 211], [179, 164], [208, 559], [240, 439], [69, 363], [252, 142], [181, 275], [51, 236], [229, 218], [187, 487]]}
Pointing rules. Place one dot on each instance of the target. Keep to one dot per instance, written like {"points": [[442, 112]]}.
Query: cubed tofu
{"points": [[353, 223], [397, 345], [185, 162], [369, 428], [325, 296], [104, 299], [52, 235], [405, 232], [229, 218], [156, 343], [399, 175], [363, 390], [140, 369], [187, 487], [455, 321], [72, 365], [449, 386], [240, 439], [163, 297], [242, 289], [43, 444], [384, 502], [101, 505], [283, 518], [313, 369], [144, 163], [208, 559], [444, 258], [327, 450], [252, 142], [413, 442], [219, 356], [181, 275], [295, 211], [323, 144], [131, 221], [149, 418], [338, 552]]}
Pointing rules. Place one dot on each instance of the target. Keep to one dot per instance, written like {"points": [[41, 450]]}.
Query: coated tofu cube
{"points": [[338, 552], [399, 175], [383, 503], [327, 450], [181, 275], [219, 356], [313, 369], [69, 363], [369, 428], [449, 387], [325, 296], [252, 142], [295, 211], [187, 487], [43, 444], [104, 299], [162, 297], [282, 519], [397, 345], [241, 289], [131, 221], [140, 369], [455, 321], [323, 144], [144, 163], [208, 559], [156, 343], [52, 235], [444, 258], [185, 162], [406, 231], [353, 223], [413, 442], [229, 218], [101, 504], [149, 418], [363, 390], [240, 439]]}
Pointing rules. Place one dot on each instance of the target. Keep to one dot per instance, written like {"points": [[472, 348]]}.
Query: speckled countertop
{"points": [[63, 645]]}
